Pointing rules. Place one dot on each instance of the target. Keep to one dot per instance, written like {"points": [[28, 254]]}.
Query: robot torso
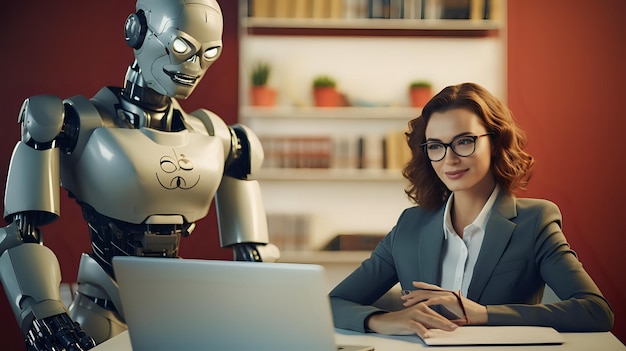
{"points": [[140, 188]]}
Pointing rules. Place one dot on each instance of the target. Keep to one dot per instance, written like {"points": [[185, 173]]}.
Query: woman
{"points": [[470, 252]]}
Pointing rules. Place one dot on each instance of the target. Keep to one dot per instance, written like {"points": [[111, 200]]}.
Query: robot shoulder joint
{"points": [[41, 117]]}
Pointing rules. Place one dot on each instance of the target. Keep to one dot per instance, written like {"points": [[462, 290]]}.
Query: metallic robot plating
{"points": [[142, 170]]}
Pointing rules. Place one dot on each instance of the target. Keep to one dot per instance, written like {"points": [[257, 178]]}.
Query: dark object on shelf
{"points": [[354, 242]]}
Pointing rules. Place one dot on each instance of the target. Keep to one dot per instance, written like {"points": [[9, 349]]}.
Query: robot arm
{"points": [[29, 271], [241, 215], [240, 212], [32, 191]]}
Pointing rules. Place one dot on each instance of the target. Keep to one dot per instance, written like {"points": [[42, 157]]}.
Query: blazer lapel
{"points": [[429, 247], [497, 236]]}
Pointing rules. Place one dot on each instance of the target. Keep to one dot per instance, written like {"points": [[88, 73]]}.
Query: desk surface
{"points": [[574, 341]]}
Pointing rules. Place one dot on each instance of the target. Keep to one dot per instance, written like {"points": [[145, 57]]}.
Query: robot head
{"points": [[175, 42]]}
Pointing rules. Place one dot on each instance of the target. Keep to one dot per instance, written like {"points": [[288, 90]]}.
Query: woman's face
{"points": [[461, 174]]}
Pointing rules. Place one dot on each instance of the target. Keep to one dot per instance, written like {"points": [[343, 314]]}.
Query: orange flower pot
{"points": [[420, 96], [326, 97], [262, 96]]}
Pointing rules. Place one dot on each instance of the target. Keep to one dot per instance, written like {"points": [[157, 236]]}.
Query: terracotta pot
{"points": [[420, 96], [262, 96], [326, 97]]}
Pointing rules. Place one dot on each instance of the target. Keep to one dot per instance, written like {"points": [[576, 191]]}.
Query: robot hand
{"points": [[57, 333], [256, 252]]}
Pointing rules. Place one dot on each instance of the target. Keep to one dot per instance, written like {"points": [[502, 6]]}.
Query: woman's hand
{"points": [[416, 319], [468, 311]]}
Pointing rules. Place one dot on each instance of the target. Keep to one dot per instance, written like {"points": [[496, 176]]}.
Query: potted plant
{"points": [[325, 92], [261, 94], [420, 91]]}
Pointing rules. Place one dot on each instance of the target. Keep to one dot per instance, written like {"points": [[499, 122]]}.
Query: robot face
{"points": [[182, 40]]}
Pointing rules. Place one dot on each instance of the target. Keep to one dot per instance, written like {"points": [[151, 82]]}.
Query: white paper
{"points": [[495, 335]]}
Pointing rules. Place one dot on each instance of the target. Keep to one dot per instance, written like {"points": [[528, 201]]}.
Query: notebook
{"points": [[495, 335], [188, 304]]}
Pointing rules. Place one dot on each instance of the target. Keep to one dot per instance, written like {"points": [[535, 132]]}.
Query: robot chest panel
{"points": [[131, 174]]}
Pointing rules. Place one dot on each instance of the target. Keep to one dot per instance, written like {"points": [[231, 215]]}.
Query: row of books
{"points": [[388, 151], [289, 232], [391, 9]]}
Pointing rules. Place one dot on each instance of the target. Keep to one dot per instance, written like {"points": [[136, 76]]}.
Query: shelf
{"points": [[300, 174], [369, 27], [404, 113]]}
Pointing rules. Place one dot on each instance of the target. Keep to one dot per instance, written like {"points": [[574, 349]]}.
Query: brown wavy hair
{"points": [[511, 165]]}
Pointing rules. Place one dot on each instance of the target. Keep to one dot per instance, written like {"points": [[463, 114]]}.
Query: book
{"points": [[370, 148], [283, 8], [336, 9], [431, 9], [455, 9], [320, 9], [302, 8], [354, 242], [344, 152], [262, 8], [396, 9], [397, 152], [495, 9], [477, 10], [376, 9], [357, 8], [412, 9]]}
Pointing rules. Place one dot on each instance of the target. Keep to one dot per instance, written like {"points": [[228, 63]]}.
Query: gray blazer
{"points": [[523, 249]]}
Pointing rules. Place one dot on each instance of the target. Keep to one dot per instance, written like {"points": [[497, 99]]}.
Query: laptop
{"points": [[189, 304]]}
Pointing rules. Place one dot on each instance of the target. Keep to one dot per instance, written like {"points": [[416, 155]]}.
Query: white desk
{"points": [[574, 342]]}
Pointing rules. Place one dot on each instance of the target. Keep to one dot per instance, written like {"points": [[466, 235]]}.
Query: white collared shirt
{"points": [[460, 254]]}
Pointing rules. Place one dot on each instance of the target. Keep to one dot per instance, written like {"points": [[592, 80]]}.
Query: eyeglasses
{"points": [[463, 146]]}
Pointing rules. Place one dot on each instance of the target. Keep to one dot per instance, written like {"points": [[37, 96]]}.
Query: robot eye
{"points": [[211, 53], [180, 46]]}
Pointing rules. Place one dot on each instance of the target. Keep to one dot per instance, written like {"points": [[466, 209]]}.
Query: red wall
{"points": [[566, 81], [72, 48], [566, 86]]}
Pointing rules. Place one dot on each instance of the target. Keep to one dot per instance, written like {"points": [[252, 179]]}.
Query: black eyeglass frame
{"points": [[449, 145]]}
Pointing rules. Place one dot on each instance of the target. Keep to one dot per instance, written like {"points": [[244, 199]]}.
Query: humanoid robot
{"points": [[142, 170]]}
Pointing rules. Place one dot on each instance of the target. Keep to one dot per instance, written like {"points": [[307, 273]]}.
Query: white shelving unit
{"points": [[373, 61]]}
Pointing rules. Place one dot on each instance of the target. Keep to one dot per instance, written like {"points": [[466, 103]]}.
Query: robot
{"points": [[142, 170]]}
